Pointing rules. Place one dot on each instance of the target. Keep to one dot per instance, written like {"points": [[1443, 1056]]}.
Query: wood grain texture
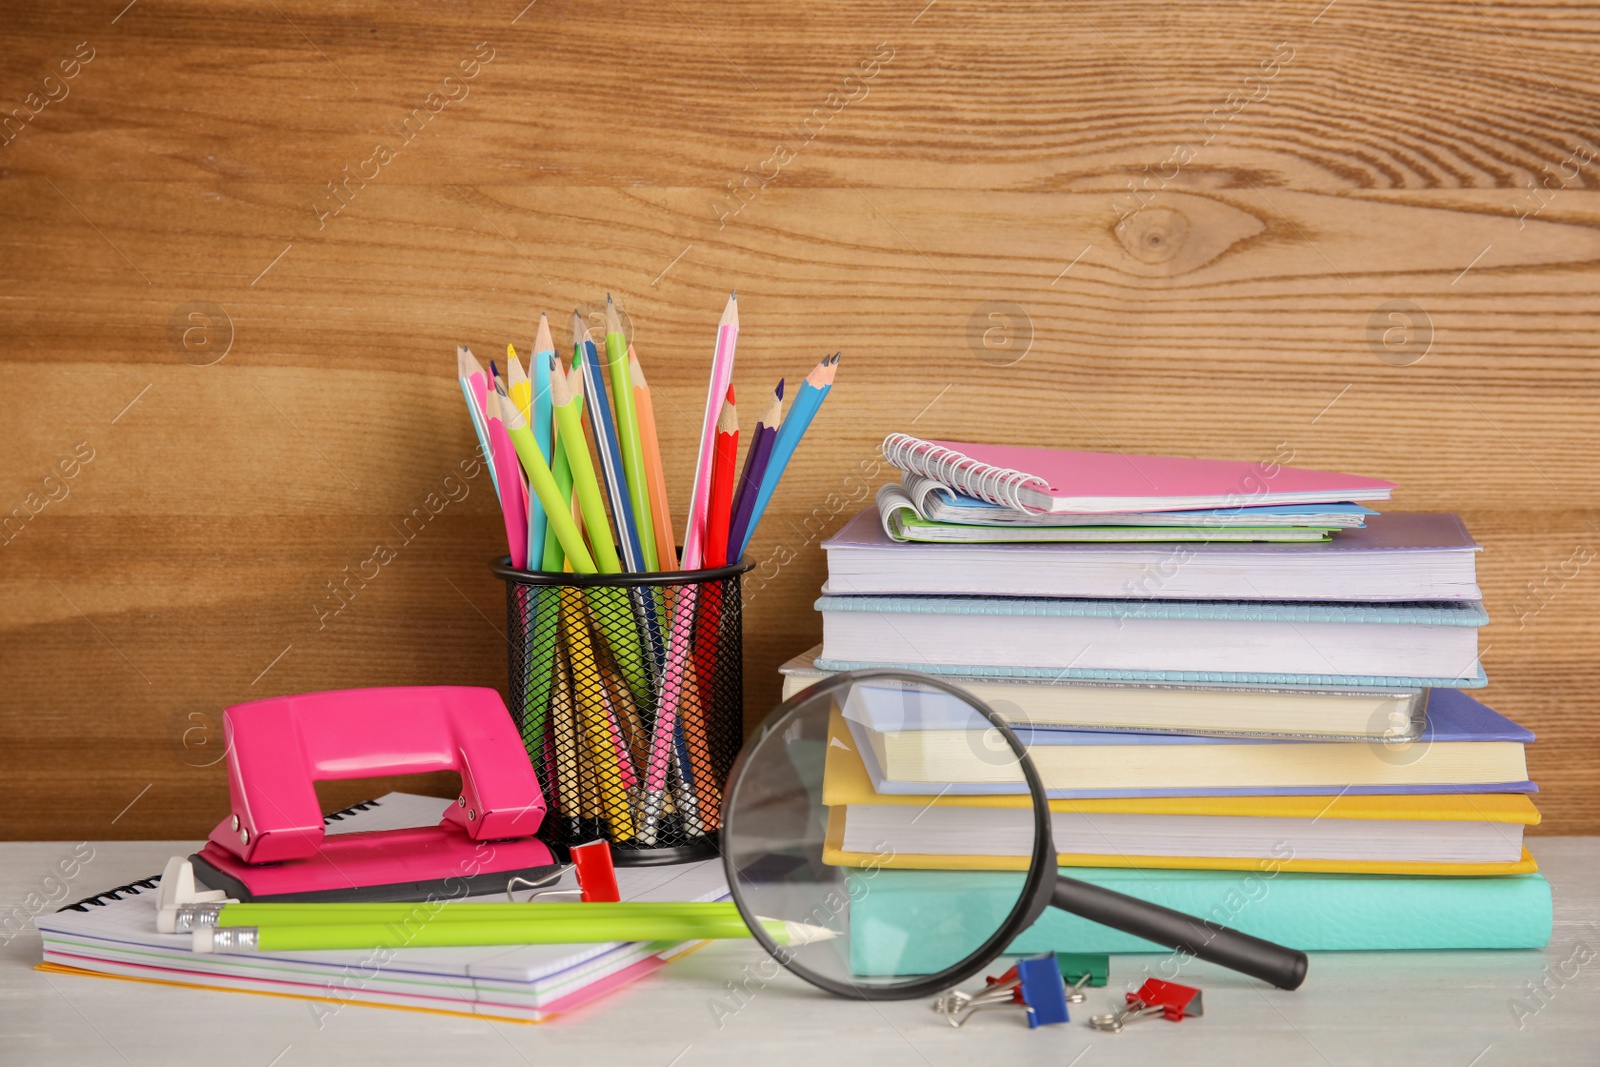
{"points": [[1123, 226]]}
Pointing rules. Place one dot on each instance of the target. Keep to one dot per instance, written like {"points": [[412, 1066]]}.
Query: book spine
{"points": [[1311, 912], [959, 471]]}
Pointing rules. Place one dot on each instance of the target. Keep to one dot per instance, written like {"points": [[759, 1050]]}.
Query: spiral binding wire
{"points": [[138, 885], [986, 481]]}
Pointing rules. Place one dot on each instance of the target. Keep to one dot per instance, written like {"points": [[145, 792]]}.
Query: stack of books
{"points": [[1241, 677], [114, 934]]}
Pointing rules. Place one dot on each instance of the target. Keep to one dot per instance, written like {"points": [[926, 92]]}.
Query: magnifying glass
{"points": [[836, 817]]}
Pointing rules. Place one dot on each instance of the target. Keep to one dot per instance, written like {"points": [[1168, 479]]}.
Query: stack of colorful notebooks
{"points": [[1242, 688]]}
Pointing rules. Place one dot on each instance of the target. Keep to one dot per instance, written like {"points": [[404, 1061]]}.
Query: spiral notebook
{"points": [[114, 935], [1058, 480]]}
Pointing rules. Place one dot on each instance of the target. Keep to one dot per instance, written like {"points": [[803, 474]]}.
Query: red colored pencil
{"points": [[707, 639], [723, 463]]}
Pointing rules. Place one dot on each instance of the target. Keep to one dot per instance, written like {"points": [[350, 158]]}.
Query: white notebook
{"points": [[1396, 556], [1205, 641], [115, 934]]}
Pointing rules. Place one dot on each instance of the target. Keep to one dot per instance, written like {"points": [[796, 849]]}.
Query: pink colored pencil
{"points": [[716, 390], [680, 650], [513, 497]]}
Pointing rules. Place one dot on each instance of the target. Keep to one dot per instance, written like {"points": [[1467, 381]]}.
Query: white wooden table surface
{"points": [[1408, 1009]]}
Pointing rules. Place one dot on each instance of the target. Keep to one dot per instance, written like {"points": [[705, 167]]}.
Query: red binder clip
{"points": [[590, 863], [596, 876], [1155, 999]]}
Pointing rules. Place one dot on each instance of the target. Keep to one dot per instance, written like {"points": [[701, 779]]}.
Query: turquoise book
{"points": [[904, 922]]}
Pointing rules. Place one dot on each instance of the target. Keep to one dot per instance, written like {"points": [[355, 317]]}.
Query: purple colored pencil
{"points": [[755, 468]]}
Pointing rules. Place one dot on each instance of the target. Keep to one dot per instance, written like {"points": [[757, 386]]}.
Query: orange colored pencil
{"points": [[655, 477]]}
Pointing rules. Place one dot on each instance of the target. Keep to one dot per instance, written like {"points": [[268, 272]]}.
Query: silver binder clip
{"points": [[539, 884], [1133, 1011], [957, 1007]]}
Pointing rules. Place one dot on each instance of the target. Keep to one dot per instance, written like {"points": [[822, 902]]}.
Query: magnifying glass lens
{"points": [[847, 852]]}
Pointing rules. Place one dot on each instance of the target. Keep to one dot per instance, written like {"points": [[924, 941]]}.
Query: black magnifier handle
{"points": [[1201, 938]]}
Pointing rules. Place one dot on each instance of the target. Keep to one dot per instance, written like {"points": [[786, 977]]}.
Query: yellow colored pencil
{"points": [[602, 741], [517, 383], [569, 793]]}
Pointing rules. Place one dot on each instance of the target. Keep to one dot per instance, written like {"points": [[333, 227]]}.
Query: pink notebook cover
{"points": [[1077, 476]]}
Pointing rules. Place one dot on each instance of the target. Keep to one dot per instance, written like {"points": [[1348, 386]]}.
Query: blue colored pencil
{"points": [[806, 402], [605, 437], [466, 367], [543, 435]]}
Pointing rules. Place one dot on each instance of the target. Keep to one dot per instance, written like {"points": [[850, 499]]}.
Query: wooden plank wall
{"points": [[1366, 233]]}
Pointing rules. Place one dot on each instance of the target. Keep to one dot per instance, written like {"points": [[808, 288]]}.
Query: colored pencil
{"points": [[582, 926], [720, 378], [605, 439], [626, 710], [540, 678], [518, 387], [562, 759], [539, 363], [614, 609], [755, 465], [544, 484], [584, 483], [554, 558], [513, 506], [680, 651], [720, 504], [264, 914], [707, 794], [806, 402], [660, 509], [475, 386], [628, 436], [595, 717]]}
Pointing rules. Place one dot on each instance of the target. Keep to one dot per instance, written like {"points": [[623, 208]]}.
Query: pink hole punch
{"points": [[272, 845]]}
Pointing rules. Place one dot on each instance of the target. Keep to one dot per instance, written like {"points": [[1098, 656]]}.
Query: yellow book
{"points": [[1438, 834]]}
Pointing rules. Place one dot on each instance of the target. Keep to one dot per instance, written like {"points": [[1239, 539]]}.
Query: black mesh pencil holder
{"points": [[629, 692]]}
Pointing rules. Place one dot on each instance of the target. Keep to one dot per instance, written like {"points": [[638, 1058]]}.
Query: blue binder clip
{"points": [[1034, 985], [1042, 991]]}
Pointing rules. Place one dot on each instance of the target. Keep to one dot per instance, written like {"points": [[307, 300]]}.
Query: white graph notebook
{"points": [[115, 934]]}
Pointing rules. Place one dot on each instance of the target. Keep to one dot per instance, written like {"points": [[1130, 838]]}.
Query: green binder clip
{"points": [[1080, 969]]}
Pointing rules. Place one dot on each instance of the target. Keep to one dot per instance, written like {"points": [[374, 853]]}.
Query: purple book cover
{"points": [[1452, 716]]}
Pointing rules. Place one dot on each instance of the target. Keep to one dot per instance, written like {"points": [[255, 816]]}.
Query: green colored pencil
{"points": [[576, 446], [628, 435], [542, 481], [561, 469], [309, 914], [661, 928]]}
